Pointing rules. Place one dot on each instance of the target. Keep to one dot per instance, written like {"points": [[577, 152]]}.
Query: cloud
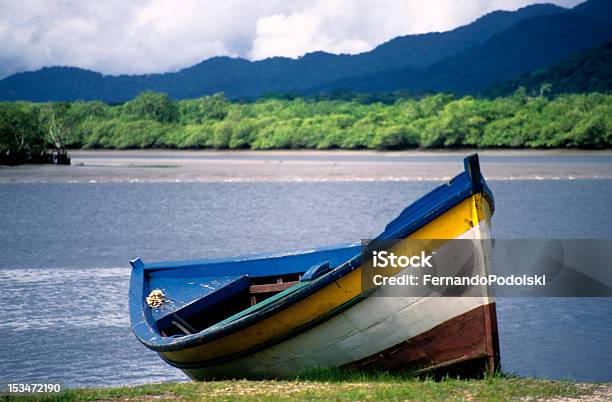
{"points": [[147, 36], [353, 26]]}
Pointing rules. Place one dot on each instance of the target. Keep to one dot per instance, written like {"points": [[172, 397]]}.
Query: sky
{"points": [[150, 36]]}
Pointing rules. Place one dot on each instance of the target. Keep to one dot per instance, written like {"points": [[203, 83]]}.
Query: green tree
{"points": [[21, 135], [58, 123], [153, 106]]}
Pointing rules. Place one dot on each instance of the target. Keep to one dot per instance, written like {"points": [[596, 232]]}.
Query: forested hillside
{"points": [[586, 72]]}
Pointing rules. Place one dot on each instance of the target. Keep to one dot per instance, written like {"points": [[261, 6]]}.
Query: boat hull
{"points": [[445, 340], [332, 319], [387, 333]]}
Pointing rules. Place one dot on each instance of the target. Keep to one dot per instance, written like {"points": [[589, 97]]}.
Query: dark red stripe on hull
{"points": [[468, 338]]}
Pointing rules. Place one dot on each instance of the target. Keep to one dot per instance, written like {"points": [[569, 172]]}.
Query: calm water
{"points": [[64, 252], [457, 157]]}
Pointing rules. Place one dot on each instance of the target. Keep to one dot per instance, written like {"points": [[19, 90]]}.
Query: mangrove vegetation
{"points": [[154, 120]]}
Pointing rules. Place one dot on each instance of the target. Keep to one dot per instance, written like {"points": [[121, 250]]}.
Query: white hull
{"points": [[363, 330]]}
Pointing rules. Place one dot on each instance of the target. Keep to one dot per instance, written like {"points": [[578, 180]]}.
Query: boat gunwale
{"points": [[162, 266]]}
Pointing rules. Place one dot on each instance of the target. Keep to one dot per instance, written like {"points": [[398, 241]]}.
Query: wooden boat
{"points": [[277, 315]]}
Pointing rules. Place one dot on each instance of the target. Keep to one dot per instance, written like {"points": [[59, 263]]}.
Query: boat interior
{"points": [[198, 295]]}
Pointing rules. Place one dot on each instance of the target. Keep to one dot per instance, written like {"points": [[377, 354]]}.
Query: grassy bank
{"points": [[153, 120], [350, 386]]}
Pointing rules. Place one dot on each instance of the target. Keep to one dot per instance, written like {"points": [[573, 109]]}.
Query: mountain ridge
{"points": [[452, 74], [589, 71], [396, 64]]}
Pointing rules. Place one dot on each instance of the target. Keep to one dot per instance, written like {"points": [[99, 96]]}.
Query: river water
{"points": [[65, 247]]}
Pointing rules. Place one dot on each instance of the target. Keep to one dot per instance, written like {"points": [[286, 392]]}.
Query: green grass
{"points": [[342, 385]]}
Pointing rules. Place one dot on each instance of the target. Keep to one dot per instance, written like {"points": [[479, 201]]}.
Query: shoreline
{"points": [[388, 153], [382, 386], [176, 166]]}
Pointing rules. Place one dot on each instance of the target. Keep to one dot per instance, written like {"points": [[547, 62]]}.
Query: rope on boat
{"points": [[156, 298]]}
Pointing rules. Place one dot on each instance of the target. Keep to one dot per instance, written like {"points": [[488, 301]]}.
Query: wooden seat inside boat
{"points": [[199, 296], [193, 304]]}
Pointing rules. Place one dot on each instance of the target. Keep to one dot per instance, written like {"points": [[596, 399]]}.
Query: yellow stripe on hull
{"points": [[449, 225]]}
